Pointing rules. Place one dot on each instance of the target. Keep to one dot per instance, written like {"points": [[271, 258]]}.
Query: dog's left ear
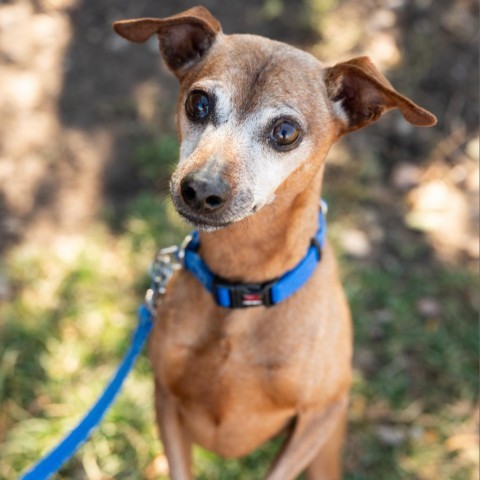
{"points": [[184, 38], [361, 94]]}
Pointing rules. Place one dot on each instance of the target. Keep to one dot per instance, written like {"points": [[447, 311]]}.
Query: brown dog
{"points": [[256, 119]]}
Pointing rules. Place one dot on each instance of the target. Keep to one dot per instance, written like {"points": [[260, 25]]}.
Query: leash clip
{"points": [[165, 262]]}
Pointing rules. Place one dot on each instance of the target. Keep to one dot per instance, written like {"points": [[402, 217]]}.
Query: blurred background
{"points": [[87, 142]]}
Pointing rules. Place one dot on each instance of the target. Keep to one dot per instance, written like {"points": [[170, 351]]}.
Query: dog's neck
{"points": [[270, 242]]}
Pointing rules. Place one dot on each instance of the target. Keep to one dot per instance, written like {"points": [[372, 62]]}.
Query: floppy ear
{"points": [[184, 38], [361, 94]]}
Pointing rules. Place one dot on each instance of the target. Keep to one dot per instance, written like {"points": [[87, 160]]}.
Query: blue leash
{"points": [[166, 261], [53, 461]]}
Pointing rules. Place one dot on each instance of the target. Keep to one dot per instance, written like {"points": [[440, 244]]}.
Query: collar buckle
{"points": [[245, 295]]}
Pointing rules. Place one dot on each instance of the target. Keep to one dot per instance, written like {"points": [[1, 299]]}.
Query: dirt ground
{"points": [[76, 102]]}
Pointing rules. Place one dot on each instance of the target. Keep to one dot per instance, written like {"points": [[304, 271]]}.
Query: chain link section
{"points": [[165, 262]]}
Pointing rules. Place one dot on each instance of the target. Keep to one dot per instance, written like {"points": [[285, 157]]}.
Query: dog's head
{"points": [[251, 111]]}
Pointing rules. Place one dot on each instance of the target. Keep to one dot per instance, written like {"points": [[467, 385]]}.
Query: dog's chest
{"points": [[231, 393], [221, 365]]}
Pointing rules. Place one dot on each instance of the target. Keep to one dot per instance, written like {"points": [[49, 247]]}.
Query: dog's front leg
{"points": [[175, 441], [311, 432]]}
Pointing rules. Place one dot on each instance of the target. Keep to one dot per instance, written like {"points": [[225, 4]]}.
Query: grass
{"points": [[421, 371], [71, 313]]}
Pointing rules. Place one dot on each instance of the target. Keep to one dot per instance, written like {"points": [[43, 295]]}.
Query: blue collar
{"points": [[240, 295]]}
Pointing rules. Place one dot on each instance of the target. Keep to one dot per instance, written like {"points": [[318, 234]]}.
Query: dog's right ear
{"points": [[184, 38]]}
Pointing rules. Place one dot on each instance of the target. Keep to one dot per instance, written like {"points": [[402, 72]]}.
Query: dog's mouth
{"points": [[202, 223], [216, 220]]}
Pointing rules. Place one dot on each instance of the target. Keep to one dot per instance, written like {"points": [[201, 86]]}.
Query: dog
{"points": [[256, 119]]}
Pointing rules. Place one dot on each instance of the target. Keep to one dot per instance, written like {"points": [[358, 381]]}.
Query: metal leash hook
{"points": [[165, 262]]}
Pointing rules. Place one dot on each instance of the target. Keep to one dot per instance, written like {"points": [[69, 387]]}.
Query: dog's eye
{"points": [[285, 134], [198, 105]]}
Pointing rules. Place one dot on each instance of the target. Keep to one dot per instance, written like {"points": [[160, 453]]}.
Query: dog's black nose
{"points": [[204, 194]]}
